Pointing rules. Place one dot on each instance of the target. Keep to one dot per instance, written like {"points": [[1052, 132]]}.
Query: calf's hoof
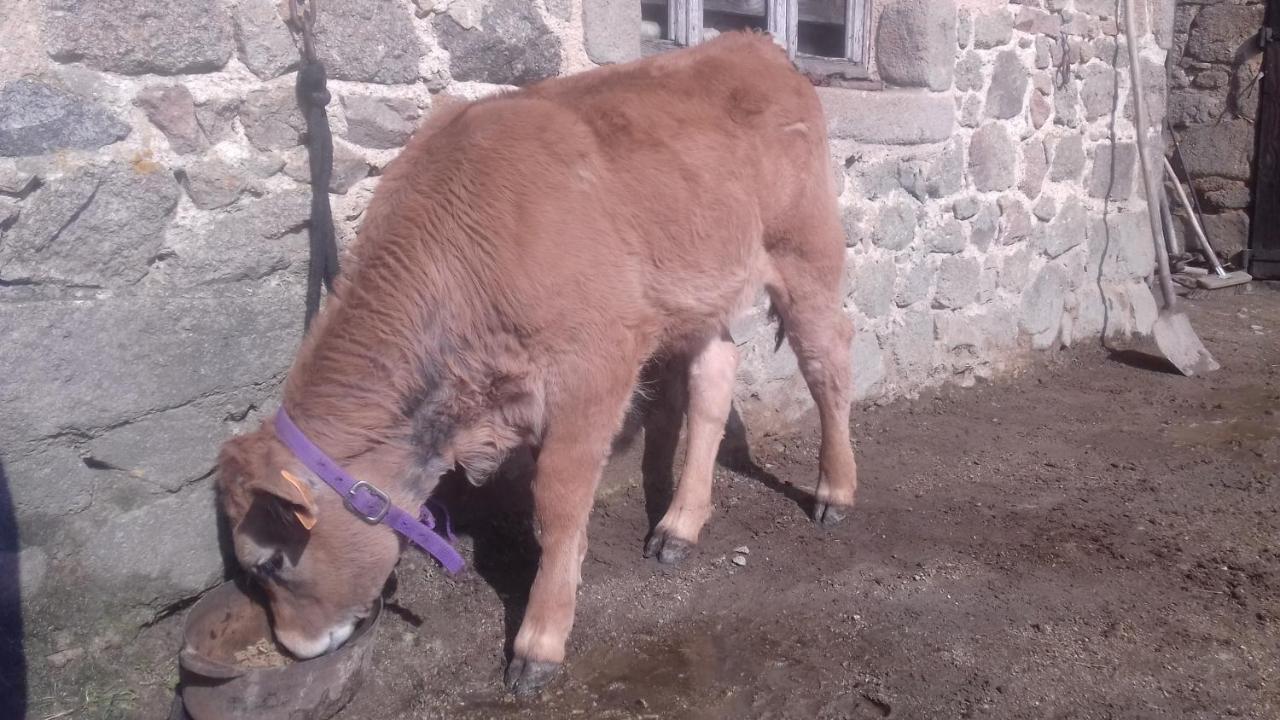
{"points": [[829, 514], [669, 549], [526, 677]]}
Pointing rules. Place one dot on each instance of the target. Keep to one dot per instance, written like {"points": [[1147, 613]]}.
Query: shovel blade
{"points": [[1179, 343]]}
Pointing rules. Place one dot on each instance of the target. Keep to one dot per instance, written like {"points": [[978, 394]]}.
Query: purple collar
{"points": [[367, 501]]}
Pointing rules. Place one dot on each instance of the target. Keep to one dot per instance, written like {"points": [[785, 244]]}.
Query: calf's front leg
{"points": [[569, 465]]}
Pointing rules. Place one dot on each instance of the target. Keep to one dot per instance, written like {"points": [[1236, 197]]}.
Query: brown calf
{"points": [[521, 260]]}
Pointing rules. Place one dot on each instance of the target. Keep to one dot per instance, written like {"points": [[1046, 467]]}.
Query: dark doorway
{"points": [[1264, 257]]}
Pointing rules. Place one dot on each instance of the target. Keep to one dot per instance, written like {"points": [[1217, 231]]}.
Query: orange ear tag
{"points": [[305, 516]]}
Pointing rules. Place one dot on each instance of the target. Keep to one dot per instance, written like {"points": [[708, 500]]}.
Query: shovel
{"points": [[1173, 333]]}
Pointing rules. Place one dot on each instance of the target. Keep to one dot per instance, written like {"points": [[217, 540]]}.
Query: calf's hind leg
{"points": [[808, 259], [711, 374]]}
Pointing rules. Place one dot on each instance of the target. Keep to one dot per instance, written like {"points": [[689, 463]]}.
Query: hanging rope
{"points": [[313, 98]]}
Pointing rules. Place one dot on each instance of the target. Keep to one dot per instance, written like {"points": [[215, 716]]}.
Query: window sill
{"points": [[822, 72]]}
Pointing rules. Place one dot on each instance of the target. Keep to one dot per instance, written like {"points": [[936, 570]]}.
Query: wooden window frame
{"points": [[684, 19]]}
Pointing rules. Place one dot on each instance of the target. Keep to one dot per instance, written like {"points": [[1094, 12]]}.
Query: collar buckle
{"points": [[377, 516]]}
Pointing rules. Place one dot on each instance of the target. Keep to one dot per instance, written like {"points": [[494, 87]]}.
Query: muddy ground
{"points": [[1095, 538]]}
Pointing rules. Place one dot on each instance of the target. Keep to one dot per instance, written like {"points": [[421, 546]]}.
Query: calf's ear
{"points": [[293, 493], [305, 506]]}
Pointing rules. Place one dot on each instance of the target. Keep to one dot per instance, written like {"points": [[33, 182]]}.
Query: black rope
{"points": [[313, 98]]}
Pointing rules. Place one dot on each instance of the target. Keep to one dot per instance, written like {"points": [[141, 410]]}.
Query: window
{"points": [[825, 37]]}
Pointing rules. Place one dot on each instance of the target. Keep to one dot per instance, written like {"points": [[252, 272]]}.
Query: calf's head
{"points": [[322, 567]]}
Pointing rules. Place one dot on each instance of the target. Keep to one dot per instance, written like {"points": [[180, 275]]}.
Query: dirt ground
{"points": [[1095, 538]]}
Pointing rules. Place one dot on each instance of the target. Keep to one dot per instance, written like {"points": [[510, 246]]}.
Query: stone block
{"points": [[1014, 271], [349, 167], [896, 226], [1221, 31], [16, 181], [997, 326], [916, 42], [1248, 89], [172, 109], [1223, 149], [250, 241], [955, 331], [1196, 106], [992, 158], [1041, 309], [1038, 22], [380, 122], [264, 42], [36, 118], [611, 30], [1154, 79], [984, 227], [33, 565], [1214, 77], [368, 41], [1015, 221], [162, 552], [1221, 194], [888, 117], [911, 347], [1044, 53], [1098, 91], [1045, 208], [942, 176], [1035, 165], [965, 207], [992, 29], [217, 118], [1066, 105], [96, 227], [1067, 230], [1077, 24], [75, 365], [1100, 8], [168, 450], [969, 75], [1121, 246], [855, 218], [879, 179], [1080, 52], [971, 111], [1040, 111], [958, 279], [510, 46], [1068, 159], [271, 118], [947, 238], [1008, 89], [211, 183], [1162, 21], [46, 478], [915, 285], [1228, 232], [561, 10], [1130, 308], [872, 282], [137, 38], [868, 365], [1114, 170], [9, 212]]}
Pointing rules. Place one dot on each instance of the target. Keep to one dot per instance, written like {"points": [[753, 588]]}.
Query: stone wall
{"points": [[1214, 86], [154, 208]]}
